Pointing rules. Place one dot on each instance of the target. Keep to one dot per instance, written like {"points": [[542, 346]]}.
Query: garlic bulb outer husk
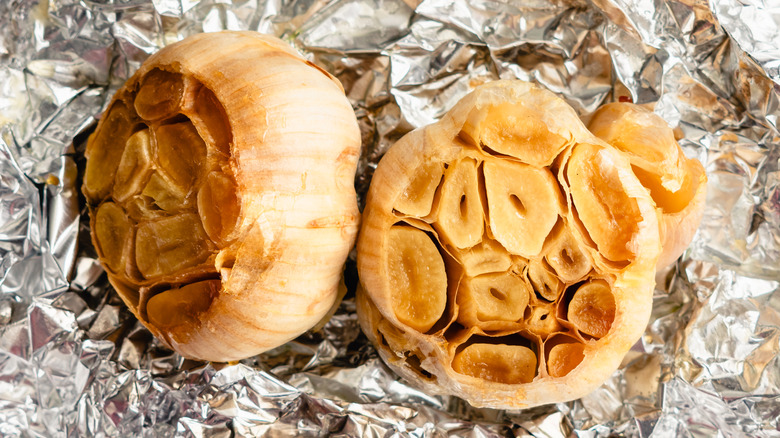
{"points": [[281, 208]]}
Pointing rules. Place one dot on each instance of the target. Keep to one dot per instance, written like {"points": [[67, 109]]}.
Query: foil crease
{"points": [[74, 361]]}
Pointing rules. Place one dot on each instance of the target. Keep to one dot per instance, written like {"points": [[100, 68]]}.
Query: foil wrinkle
{"points": [[75, 362]]}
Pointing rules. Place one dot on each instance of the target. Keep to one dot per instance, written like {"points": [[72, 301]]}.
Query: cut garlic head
{"points": [[526, 247], [220, 189]]}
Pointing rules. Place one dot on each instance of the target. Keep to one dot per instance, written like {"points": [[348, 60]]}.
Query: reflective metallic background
{"points": [[74, 362]]}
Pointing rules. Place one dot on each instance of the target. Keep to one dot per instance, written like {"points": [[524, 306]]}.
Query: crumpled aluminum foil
{"points": [[74, 362]]}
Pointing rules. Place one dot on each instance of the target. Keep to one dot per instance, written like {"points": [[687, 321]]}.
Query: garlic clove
{"points": [[208, 115], [523, 205], [113, 234], [182, 305], [160, 95], [544, 281], [417, 199], [165, 192], [108, 146], [511, 364], [592, 308], [566, 258], [542, 321], [135, 166], [485, 257], [181, 152], [218, 207], [460, 217], [564, 357], [514, 130], [610, 214], [677, 184], [417, 275], [170, 244], [492, 297]]}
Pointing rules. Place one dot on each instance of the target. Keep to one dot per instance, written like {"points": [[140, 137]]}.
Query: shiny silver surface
{"points": [[74, 362]]}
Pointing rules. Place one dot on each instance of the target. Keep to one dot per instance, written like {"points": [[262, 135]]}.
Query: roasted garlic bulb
{"points": [[676, 183], [220, 189], [507, 255]]}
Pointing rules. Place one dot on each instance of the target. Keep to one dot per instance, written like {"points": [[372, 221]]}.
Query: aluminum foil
{"points": [[74, 362]]}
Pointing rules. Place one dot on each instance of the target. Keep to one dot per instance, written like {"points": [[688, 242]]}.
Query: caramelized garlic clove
{"points": [[417, 277], [514, 130], [104, 151], [542, 321], [677, 184], [609, 213], [544, 281], [182, 305], [142, 208], [500, 363], [181, 152], [564, 358], [209, 113], [113, 233], [492, 297], [592, 308], [160, 95], [648, 141], [417, 198], [460, 219], [135, 166], [485, 257], [523, 205], [218, 207], [167, 245], [164, 192], [566, 257]]}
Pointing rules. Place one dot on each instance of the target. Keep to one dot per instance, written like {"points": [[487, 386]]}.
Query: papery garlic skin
{"points": [[271, 193], [581, 210]]}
